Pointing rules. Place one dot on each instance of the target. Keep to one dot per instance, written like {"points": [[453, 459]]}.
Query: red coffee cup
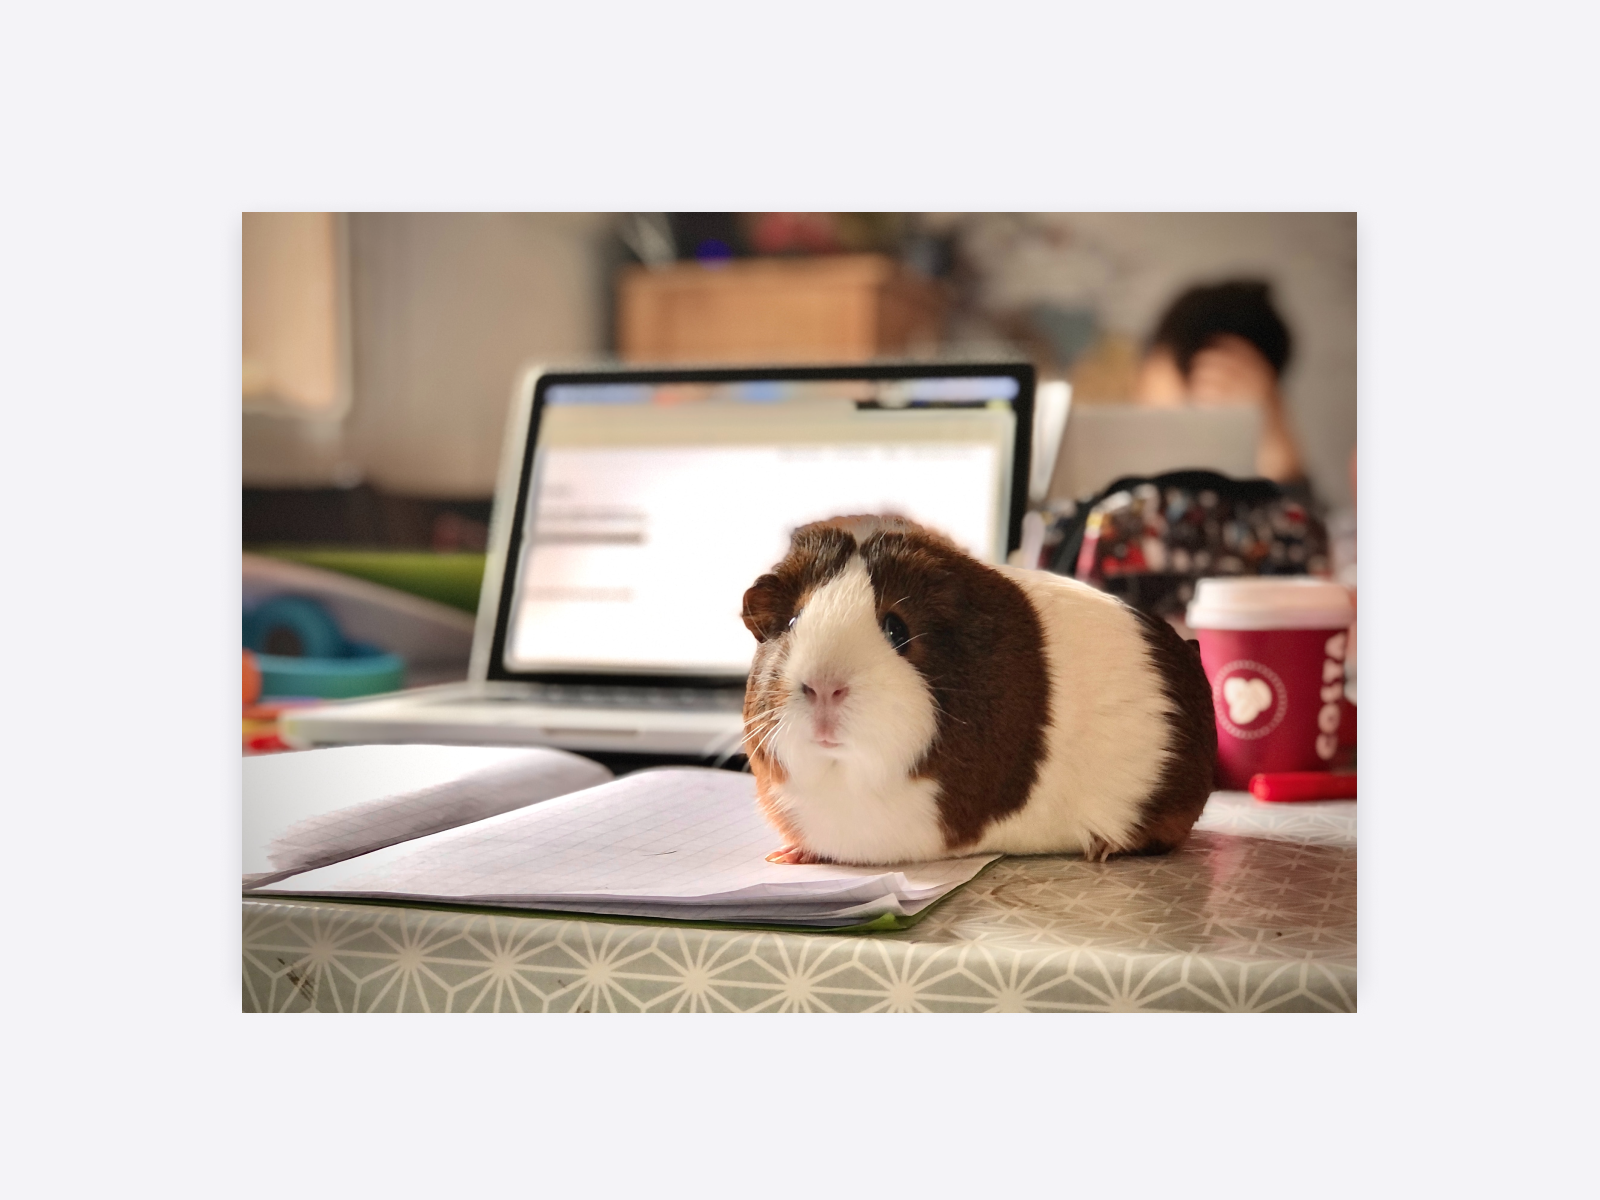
{"points": [[1273, 649]]}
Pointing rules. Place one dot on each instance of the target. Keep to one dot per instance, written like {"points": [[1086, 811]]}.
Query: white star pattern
{"points": [[1257, 913]]}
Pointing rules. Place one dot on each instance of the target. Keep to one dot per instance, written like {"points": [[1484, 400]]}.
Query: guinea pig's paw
{"points": [[1097, 850], [795, 855]]}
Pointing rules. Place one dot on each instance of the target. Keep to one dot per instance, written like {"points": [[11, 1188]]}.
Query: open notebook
{"points": [[682, 844], [306, 810]]}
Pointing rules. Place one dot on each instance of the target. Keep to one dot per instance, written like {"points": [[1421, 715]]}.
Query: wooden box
{"points": [[837, 308]]}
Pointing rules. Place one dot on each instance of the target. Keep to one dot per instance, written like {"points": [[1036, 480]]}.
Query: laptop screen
{"points": [[651, 506]]}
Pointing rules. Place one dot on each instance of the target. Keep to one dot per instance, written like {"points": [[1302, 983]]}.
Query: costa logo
{"points": [[1332, 693], [1250, 699]]}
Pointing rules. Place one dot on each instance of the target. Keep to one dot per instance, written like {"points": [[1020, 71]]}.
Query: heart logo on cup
{"points": [[1247, 698]]}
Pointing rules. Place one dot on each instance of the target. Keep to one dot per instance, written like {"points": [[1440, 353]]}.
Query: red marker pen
{"points": [[1303, 785]]}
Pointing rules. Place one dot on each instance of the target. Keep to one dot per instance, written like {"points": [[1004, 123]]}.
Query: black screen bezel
{"points": [[1022, 406]]}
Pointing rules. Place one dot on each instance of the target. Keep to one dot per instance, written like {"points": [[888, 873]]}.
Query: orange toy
{"points": [[252, 678]]}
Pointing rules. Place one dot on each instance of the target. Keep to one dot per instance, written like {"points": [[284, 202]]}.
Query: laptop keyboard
{"points": [[597, 696]]}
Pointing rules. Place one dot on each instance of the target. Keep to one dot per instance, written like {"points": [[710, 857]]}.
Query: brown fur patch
{"points": [[1180, 794], [816, 554], [978, 643]]}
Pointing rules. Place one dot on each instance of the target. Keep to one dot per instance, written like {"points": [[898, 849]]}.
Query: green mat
{"points": [[453, 579]]}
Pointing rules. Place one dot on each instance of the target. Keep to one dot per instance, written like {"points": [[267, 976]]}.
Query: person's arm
{"points": [[1231, 369]]}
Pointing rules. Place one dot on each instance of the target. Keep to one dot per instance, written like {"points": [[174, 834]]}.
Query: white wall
{"points": [[447, 306]]}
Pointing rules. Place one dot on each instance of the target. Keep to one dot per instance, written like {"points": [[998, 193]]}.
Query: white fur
{"points": [[855, 802], [1107, 711]]}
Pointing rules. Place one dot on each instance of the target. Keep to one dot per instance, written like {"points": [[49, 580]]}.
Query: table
{"points": [[1256, 913]]}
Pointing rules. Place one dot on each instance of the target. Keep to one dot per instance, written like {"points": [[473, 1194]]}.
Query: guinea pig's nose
{"points": [[825, 693]]}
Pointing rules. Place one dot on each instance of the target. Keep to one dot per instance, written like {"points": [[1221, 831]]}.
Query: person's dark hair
{"points": [[1202, 314]]}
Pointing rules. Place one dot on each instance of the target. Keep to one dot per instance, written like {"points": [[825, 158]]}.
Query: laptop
{"points": [[634, 507], [1105, 442]]}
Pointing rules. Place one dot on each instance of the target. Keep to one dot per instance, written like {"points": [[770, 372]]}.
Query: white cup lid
{"points": [[1270, 602]]}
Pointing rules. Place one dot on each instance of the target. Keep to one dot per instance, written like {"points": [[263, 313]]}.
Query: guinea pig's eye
{"points": [[895, 630], [795, 618]]}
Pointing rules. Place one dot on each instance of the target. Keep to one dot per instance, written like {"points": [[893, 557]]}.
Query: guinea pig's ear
{"points": [[767, 607]]}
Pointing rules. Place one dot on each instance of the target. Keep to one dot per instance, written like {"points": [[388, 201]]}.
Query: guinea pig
{"points": [[908, 703]]}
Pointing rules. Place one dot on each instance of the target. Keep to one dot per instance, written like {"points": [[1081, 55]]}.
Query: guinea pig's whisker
{"points": [[942, 689], [946, 713], [763, 720], [760, 732], [765, 738]]}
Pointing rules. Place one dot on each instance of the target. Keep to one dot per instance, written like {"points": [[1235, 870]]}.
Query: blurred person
{"points": [[1226, 344]]}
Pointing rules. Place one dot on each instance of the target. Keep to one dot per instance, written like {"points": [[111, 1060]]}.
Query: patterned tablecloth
{"points": [[1257, 912]]}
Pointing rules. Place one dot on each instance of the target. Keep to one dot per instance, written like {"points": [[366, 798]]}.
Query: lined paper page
{"points": [[655, 843]]}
